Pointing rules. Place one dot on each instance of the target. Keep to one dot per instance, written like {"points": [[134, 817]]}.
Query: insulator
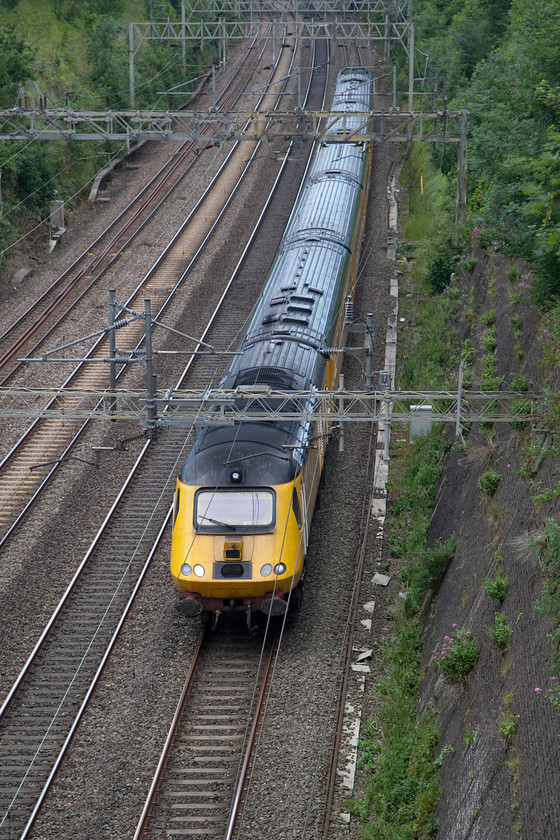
{"points": [[349, 309]]}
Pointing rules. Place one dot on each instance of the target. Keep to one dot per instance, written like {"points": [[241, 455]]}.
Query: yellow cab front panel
{"points": [[220, 558]]}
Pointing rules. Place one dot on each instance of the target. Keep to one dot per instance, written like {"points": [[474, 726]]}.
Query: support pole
{"points": [[151, 389], [368, 344], [387, 401], [461, 205], [458, 433], [411, 67], [341, 413], [386, 38], [112, 352], [183, 39], [131, 64]]}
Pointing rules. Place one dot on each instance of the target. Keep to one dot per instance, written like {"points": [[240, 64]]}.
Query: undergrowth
{"points": [[400, 749], [403, 790]]}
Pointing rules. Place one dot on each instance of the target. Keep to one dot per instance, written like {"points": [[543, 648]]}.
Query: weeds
{"points": [[488, 482], [497, 588], [501, 632], [458, 655], [507, 726]]}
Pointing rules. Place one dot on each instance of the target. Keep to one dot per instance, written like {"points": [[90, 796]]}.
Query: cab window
{"points": [[222, 511]]}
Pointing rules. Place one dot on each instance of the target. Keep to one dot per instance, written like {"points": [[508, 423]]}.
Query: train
{"points": [[246, 492]]}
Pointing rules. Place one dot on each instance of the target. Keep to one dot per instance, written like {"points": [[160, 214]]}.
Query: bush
{"points": [[442, 265], [458, 655], [488, 482], [489, 317], [508, 725], [513, 274], [489, 341], [520, 407], [519, 383], [497, 588], [501, 631], [468, 264]]}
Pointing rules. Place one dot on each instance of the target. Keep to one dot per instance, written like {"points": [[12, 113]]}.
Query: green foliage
{"points": [[501, 61], [488, 482], [458, 655], [513, 273], [519, 383], [468, 263], [551, 334], [426, 572], [457, 35], [16, 64], [447, 750], [68, 10], [508, 725], [489, 341], [442, 264], [501, 632], [497, 588], [468, 737], [402, 794], [547, 550], [107, 55], [489, 318], [520, 407]]}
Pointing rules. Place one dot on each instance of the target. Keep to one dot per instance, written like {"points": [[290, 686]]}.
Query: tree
{"points": [[15, 64]]}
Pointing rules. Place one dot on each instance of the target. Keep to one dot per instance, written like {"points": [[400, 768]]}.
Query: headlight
{"points": [[280, 568], [186, 569], [199, 570], [266, 570]]}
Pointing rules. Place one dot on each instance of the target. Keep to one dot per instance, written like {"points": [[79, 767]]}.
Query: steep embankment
{"points": [[500, 779]]}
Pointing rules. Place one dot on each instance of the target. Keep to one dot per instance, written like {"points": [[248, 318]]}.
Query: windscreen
{"points": [[233, 509]]}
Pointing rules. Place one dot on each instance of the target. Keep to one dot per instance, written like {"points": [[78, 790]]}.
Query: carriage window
{"points": [[297, 508], [222, 511], [176, 504]]}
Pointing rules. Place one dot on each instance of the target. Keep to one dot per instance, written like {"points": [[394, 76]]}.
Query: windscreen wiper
{"points": [[218, 522]]}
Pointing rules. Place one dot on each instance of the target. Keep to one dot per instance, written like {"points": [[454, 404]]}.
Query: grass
{"points": [[403, 791]]}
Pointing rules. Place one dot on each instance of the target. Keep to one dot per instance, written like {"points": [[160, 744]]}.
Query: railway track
{"points": [[35, 459], [54, 687], [198, 784], [39, 320]]}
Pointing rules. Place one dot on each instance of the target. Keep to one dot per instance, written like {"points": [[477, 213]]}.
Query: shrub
{"points": [[458, 655], [520, 407], [508, 725], [513, 274], [468, 264], [497, 588], [501, 631], [442, 264], [489, 341], [488, 482], [489, 317], [519, 383]]}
